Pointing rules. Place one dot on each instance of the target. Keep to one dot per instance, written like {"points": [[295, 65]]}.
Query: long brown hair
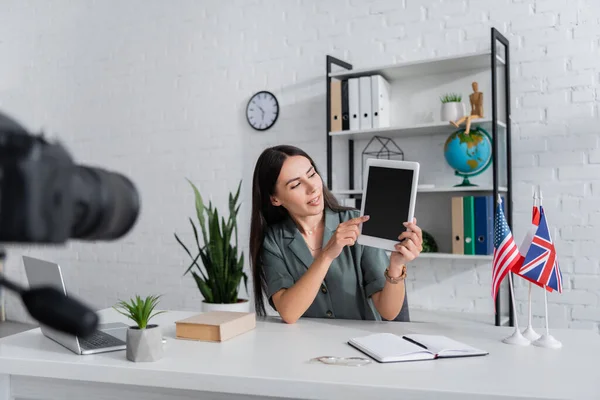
{"points": [[267, 169]]}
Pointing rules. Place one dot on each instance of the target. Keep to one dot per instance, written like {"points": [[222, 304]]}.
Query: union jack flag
{"points": [[535, 217], [541, 264], [506, 253], [527, 240]]}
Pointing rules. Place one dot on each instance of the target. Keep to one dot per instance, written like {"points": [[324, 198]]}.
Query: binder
{"points": [[380, 101], [366, 120], [336, 105], [469, 227], [458, 244], [345, 111], [484, 225], [354, 103]]}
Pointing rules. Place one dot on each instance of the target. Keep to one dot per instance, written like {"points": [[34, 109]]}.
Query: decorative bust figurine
{"points": [[476, 99]]}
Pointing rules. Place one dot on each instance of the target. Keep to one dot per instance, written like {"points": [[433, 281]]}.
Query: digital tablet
{"points": [[388, 198]]}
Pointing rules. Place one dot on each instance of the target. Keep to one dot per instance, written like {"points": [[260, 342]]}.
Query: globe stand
{"points": [[465, 181]]}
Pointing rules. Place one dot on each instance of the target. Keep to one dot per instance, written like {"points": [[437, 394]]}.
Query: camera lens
{"points": [[106, 204]]}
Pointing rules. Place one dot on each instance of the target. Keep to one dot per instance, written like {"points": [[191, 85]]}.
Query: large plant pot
{"points": [[144, 345], [242, 305], [452, 111]]}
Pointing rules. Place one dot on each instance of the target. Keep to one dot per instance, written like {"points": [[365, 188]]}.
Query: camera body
{"points": [[45, 197], [36, 197]]}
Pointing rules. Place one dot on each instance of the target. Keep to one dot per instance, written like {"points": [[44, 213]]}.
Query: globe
{"points": [[468, 154]]}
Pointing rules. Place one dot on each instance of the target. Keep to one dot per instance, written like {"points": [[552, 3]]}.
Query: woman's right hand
{"points": [[346, 234]]}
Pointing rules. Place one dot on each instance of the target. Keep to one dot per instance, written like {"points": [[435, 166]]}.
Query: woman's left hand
{"points": [[410, 248]]}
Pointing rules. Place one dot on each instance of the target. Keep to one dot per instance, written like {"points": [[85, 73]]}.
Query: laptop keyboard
{"points": [[99, 340]]}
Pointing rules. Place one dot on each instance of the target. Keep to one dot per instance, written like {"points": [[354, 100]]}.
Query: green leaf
{"points": [[193, 264], [197, 244], [195, 233], [194, 259], [246, 282], [199, 210], [204, 288]]}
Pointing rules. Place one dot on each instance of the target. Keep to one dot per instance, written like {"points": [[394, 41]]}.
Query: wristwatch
{"points": [[397, 279]]}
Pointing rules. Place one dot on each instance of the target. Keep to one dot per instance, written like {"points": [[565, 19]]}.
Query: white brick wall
{"points": [[158, 92]]}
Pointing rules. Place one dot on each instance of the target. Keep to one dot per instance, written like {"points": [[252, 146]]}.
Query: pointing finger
{"points": [[357, 220]]}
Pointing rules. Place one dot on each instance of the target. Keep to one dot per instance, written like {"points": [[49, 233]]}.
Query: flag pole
{"points": [[516, 338], [546, 308], [546, 340], [529, 333]]}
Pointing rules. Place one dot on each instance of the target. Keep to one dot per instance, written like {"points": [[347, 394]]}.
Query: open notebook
{"points": [[387, 347]]}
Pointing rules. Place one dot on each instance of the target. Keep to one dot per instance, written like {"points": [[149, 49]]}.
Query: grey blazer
{"points": [[351, 280]]}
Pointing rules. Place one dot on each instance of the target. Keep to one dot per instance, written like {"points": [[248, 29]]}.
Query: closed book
{"points": [[215, 326], [458, 244], [469, 221]]}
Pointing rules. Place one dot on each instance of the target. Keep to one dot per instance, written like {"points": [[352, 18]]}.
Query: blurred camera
{"points": [[46, 198]]}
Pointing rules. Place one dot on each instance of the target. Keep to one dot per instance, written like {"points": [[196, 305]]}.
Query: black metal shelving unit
{"points": [[496, 37]]}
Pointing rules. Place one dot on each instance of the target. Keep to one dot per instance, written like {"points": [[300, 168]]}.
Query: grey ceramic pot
{"points": [[144, 344]]}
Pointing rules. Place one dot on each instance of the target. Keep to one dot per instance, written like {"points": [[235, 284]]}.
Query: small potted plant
{"points": [[223, 263], [452, 107], [144, 341]]}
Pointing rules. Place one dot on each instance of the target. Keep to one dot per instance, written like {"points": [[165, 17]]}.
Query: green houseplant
{"points": [[144, 341], [452, 107], [223, 264], [451, 97]]}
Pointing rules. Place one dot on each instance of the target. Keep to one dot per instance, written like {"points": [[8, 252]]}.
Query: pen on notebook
{"points": [[417, 343]]}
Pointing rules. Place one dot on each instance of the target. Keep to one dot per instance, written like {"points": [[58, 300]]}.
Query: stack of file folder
{"points": [[473, 225], [360, 103]]}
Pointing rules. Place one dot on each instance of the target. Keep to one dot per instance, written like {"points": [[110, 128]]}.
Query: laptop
{"points": [[109, 337]]}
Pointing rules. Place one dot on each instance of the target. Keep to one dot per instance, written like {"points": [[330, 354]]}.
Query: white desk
{"points": [[273, 360]]}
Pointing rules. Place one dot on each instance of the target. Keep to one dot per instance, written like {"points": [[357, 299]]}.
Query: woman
{"points": [[303, 247]]}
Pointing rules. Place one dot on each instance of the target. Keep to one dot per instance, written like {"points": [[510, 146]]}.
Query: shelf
{"points": [[451, 256], [439, 65], [441, 189], [414, 86], [428, 129]]}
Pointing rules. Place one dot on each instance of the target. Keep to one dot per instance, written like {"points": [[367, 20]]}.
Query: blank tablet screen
{"points": [[387, 202]]}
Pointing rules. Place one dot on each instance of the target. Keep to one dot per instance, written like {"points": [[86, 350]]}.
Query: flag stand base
{"points": [[548, 341], [516, 338], [531, 334]]}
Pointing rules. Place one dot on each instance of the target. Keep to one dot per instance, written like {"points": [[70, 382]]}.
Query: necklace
{"points": [[318, 248], [311, 231]]}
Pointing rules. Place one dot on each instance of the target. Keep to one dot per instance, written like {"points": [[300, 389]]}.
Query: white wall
{"points": [[158, 91]]}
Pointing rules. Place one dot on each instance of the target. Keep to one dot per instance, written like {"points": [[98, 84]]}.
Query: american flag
{"points": [[541, 264], [506, 253]]}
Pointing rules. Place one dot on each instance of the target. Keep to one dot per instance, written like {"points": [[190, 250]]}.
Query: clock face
{"points": [[262, 111]]}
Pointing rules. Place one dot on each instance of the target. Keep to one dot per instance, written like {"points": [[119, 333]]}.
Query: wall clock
{"points": [[262, 110]]}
